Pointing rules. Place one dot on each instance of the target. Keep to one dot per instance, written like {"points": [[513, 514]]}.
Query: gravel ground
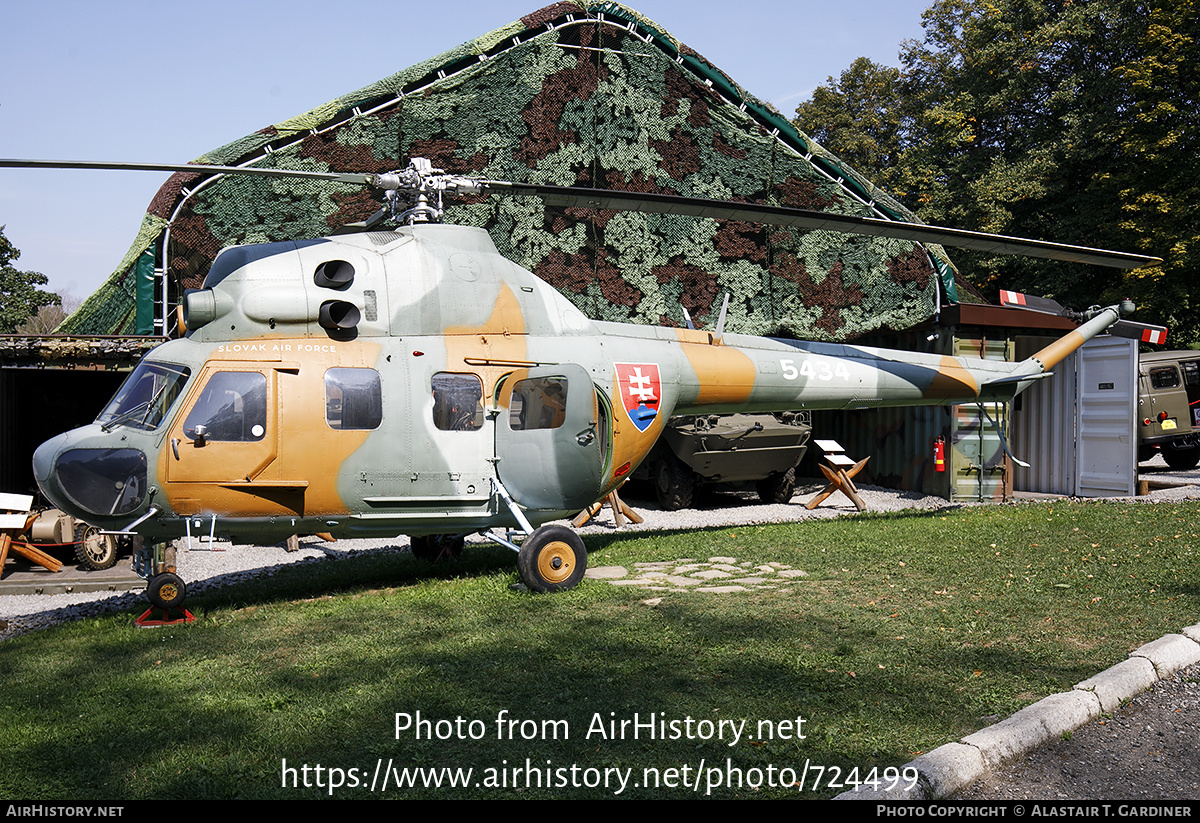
{"points": [[1150, 749]]}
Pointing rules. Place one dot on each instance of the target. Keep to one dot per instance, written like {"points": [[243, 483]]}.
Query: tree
{"points": [[860, 118], [20, 297], [1061, 120]]}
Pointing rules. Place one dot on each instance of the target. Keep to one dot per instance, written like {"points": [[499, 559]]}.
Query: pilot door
{"points": [[227, 433], [551, 438]]}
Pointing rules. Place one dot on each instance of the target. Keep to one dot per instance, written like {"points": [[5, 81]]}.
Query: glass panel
{"points": [[538, 403], [1164, 377], [232, 408], [145, 396], [457, 402], [104, 481], [353, 399]]}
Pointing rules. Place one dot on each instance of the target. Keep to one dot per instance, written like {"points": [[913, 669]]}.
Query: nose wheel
{"points": [[552, 559], [166, 591]]}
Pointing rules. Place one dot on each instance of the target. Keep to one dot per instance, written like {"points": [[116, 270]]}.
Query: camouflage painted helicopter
{"points": [[411, 380]]}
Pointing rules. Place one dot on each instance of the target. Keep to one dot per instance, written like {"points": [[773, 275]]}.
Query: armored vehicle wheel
{"points": [[778, 488], [552, 559], [434, 547], [166, 591], [1181, 458], [94, 550], [1145, 453], [674, 483]]}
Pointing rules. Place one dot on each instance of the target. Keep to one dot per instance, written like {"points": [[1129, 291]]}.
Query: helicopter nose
{"points": [[90, 483], [43, 461]]}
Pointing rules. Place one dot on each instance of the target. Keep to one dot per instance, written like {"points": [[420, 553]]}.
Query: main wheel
{"points": [[1181, 458], [94, 550], [674, 483], [778, 488], [166, 591], [434, 547], [552, 559]]}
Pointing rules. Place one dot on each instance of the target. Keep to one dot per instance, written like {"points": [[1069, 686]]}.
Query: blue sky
{"points": [[166, 82]]}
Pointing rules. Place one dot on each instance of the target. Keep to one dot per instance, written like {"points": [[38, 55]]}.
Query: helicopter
{"points": [[406, 378]]}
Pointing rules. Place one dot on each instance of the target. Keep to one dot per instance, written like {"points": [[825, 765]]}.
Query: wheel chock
{"points": [[148, 622]]}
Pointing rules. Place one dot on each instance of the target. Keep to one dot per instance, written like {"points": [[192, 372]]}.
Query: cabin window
{"points": [[232, 408], [457, 402], [1191, 373], [145, 396], [353, 399], [1164, 377], [538, 403]]}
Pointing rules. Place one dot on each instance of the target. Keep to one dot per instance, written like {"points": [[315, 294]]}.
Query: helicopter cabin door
{"points": [[551, 438], [227, 432]]}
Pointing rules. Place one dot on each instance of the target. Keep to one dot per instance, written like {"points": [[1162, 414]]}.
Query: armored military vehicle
{"points": [[737, 449]]}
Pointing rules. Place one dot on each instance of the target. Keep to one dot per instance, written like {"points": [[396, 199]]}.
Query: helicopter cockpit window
{"points": [[145, 397], [457, 402], [538, 403], [232, 408], [353, 399], [1164, 377]]}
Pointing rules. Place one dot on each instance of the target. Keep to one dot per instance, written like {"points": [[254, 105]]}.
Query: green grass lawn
{"points": [[909, 631]]}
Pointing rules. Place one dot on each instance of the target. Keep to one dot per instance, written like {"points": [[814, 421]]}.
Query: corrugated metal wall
{"points": [[1044, 427]]}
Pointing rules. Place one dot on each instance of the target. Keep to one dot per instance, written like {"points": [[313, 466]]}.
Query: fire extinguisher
{"points": [[939, 454]]}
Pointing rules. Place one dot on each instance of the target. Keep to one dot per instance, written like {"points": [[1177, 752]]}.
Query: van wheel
{"points": [[1181, 458]]}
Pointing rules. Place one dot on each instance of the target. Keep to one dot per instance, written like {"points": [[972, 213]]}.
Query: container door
{"points": [[1107, 408]]}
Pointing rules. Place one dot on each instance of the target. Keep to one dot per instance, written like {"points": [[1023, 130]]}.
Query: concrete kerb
{"points": [[955, 766]]}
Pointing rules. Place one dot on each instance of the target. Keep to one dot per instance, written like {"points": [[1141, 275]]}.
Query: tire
{"points": [[674, 483], [94, 550], [1145, 453], [552, 559], [434, 547], [166, 591], [778, 488], [1181, 458]]}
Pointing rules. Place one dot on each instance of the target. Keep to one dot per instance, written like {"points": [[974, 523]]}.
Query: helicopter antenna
{"points": [[721, 318]]}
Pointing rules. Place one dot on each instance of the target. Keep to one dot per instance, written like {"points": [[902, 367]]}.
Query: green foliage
{"points": [[20, 297], [860, 116], [1074, 122]]}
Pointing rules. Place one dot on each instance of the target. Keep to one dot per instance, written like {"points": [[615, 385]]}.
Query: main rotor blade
{"points": [[804, 219], [359, 179], [572, 197]]}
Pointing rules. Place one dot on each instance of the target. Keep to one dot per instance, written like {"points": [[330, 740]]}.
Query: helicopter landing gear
{"points": [[552, 559], [166, 591], [434, 547]]}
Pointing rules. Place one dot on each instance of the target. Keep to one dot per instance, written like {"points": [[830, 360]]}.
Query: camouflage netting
{"points": [[577, 93]]}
